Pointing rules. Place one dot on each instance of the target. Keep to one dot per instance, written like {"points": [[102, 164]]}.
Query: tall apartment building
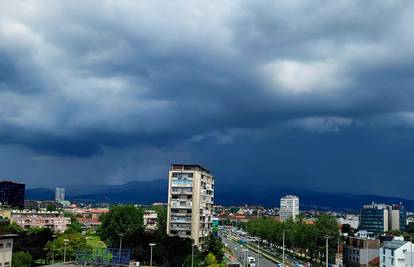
{"points": [[60, 194], [289, 207], [190, 202], [380, 218], [12, 194]]}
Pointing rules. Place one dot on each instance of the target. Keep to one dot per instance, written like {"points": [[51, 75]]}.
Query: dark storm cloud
{"points": [[79, 81]]}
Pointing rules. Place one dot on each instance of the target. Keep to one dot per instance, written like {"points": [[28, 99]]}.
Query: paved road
{"points": [[238, 252]]}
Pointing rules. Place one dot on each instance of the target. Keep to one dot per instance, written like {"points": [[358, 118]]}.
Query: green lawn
{"points": [[95, 242]]}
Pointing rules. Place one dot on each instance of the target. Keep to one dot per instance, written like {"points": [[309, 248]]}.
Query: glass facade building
{"points": [[12, 194], [374, 219], [380, 218]]}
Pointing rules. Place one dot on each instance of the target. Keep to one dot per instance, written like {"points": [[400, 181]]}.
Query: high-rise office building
{"points": [[12, 194], [190, 202], [380, 218], [59, 194], [289, 207]]}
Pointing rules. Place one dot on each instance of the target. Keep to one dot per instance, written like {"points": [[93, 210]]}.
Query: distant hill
{"points": [[40, 194], [147, 192]]}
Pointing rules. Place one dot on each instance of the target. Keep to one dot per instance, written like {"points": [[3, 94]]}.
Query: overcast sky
{"points": [[311, 94]]}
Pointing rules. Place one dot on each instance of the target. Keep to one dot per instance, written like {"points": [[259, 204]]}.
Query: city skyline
{"points": [[310, 95]]}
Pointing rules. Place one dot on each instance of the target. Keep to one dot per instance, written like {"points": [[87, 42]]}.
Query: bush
{"points": [[21, 259]]}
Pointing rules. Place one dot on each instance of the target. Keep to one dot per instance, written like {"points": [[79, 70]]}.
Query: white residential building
{"points": [[397, 253], [190, 202], [289, 207], [352, 220], [6, 249], [150, 220]]}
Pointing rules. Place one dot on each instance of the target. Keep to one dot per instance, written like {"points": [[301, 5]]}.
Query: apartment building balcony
{"points": [[180, 227], [182, 183], [181, 220], [182, 204], [181, 192], [182, 214]]}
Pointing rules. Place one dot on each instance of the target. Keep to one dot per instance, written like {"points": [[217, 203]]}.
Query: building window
{"points": [[8, 245]]}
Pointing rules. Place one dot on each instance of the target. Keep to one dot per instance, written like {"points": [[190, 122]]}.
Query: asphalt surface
{"points": [[238, 252]]}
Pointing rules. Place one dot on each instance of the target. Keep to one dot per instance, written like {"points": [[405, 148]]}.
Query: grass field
{"points": [[95, 242]]}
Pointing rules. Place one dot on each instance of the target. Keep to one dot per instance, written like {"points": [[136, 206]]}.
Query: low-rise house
{"points": [[361, 251], [351, 219], [41, 205], [89, 223], [87, 212], [150, 220]]}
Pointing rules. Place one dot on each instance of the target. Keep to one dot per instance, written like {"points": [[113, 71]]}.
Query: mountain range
{"points": [[147, 192]]}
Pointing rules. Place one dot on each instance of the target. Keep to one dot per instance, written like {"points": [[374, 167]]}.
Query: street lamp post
{"points": [[120, 247], [327, 250], [411, 251], [337, 251], [64, 253], [54, 245], [151, 245], [245, 251], [283, 249]]}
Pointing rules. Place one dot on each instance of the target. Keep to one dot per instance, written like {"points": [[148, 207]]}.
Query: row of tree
{"points": [[304, 238], [169, 251]]}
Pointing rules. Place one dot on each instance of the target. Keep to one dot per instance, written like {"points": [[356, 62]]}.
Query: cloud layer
{"points": [[103, 82]]}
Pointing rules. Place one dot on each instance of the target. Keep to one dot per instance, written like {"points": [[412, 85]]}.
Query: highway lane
{"points": [[238, 252]]}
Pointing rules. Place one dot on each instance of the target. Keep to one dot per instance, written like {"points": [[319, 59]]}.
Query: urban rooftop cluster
{"points": [[378, 235]]}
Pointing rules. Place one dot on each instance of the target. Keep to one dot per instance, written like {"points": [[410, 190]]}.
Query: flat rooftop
{"points": [[10, 181], [192, 167]]}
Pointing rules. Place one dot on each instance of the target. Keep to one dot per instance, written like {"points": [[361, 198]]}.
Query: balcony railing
{"points": [[176, 204], [180, 220], [181, 192]]}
